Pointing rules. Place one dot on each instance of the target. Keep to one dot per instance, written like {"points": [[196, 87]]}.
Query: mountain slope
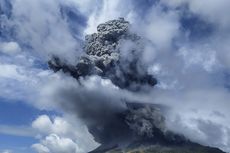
{"points": [[167, 149]]}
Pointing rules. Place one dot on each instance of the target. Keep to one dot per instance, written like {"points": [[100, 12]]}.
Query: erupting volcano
{"points": [[114, 53]]}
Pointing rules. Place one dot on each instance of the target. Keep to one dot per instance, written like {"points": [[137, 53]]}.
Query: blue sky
{"points": [[17, 143], [17, 113], [189, 56], [13, 113]]}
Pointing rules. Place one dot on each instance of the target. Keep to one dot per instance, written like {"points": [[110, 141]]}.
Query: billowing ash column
{"points": [[113, 52]]}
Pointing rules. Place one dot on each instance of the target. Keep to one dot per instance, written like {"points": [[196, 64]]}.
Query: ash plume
{"points": [[104, 56], [108, 54], [114, 53]]}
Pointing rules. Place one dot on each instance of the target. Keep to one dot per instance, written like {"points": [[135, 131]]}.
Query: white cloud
{"points": [[160, 27], [173, 3], [215, 11], [203, 57], [18, 82], [108, 10], [17, 130], [43, 124], [86, 6], [62, 135], [199, 113], [54, 144], [9, 47], [40, 148], [11, 71], [44, 29]]}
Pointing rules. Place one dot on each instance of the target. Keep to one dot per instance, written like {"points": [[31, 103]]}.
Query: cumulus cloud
{"points": [[62, 135], [54, 143]]}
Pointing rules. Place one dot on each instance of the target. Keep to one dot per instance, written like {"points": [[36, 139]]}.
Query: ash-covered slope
{"points": [[183, 148], [140, 127], [148, 134]]}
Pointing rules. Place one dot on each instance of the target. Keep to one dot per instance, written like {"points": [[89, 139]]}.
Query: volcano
{"points": [[140, 128]]}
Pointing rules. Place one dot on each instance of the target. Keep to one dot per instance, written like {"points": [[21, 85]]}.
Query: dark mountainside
{"points": [[141, 127]]}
